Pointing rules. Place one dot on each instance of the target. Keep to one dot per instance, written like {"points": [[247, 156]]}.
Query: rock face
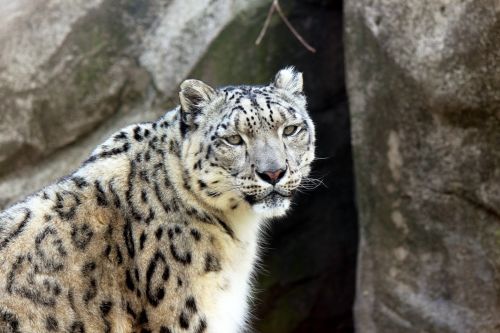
{"points": [[424, 93]]}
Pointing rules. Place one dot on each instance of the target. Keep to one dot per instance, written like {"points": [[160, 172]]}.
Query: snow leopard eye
{"points": [[234, 140], [290, 130]]}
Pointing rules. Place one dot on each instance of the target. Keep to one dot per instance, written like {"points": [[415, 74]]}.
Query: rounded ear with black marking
{"points": [[290, 80], [194, 96]]}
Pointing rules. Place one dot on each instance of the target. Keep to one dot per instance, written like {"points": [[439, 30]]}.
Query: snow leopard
{"points": [[159, 229]]}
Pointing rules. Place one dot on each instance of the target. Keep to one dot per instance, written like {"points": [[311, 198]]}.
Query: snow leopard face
{"points": [[247, 146]]}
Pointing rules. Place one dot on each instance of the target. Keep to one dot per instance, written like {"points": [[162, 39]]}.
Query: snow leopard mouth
{"points": [[274, 204], [272, 196]]}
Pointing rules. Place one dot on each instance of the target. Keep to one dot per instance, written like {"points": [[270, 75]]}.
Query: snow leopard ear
{"points": [[290, 80], [194, 95]]}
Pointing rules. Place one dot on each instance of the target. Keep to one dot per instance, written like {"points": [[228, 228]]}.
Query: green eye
{"points": [[235, 140], [290, 130]]}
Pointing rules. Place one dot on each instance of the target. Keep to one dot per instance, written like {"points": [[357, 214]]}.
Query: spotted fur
{"points": [[158, 229]]}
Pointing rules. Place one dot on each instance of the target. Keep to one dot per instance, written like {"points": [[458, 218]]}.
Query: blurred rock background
{"points": [[71, 73]]}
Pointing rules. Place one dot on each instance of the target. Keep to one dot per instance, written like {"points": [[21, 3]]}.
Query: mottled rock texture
{"points": [[77, 71], [424, 92]]}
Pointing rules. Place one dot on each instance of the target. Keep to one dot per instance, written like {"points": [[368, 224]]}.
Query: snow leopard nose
{"points": [[272, 176]]}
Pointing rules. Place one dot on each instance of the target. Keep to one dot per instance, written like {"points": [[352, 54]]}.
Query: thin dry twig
{"points": [[266, 25], [276, 6], [292, 29]]}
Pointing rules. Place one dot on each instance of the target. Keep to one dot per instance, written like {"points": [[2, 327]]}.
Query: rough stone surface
{"points": [[73, 72], [424, 93]]}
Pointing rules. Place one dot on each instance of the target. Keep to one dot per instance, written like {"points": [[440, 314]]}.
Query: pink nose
{"points": [[272, 176]]}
